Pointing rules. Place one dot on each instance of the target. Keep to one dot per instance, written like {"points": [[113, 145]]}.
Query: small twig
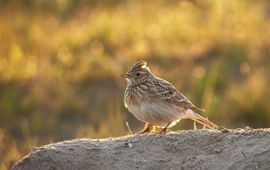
{"points": [[194, 125], [129, 130], [204, 127]]}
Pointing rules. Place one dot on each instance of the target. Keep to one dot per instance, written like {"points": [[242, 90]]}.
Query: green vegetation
{"points": [[60, 64]]}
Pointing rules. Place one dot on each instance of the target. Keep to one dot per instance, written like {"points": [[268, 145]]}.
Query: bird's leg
{"points": [[164, 130], [147, 128]]}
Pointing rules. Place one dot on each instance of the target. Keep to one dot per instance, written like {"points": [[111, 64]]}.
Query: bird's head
{"points": [[138, 73]]}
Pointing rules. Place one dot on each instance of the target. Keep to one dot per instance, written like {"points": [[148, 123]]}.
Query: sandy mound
{"points": [[200, 149]]}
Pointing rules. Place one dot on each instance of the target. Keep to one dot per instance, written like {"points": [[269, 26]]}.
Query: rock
{"points": [[193, 149]]}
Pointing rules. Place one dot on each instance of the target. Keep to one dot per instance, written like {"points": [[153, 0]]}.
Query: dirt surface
{"points": [[193, 149]]}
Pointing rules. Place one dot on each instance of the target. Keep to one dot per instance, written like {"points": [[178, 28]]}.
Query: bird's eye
{"points": [[138, 74]]}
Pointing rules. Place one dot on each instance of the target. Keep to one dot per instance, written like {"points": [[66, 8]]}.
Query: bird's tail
{"points": [[198, 118]]}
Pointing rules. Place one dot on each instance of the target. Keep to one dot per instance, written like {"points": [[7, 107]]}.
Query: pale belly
{"points": [[157, 113]]}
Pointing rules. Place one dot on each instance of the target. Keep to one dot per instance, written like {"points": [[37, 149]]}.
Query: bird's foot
{"points": [[164, 130], [148, 128]]}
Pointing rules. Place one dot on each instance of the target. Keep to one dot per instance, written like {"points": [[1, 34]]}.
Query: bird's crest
{"points": [[139, 65]]}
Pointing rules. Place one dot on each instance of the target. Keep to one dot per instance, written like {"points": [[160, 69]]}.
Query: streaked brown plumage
{"points": [[157, 102]]}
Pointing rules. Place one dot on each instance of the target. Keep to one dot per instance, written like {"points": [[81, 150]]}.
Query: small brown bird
{"points": [[157, 102]]}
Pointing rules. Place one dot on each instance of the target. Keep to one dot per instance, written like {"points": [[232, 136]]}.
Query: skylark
{"points": [[157, 102]]}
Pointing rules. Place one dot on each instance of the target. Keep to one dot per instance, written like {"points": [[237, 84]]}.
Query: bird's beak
{"points": [[126, 75]]}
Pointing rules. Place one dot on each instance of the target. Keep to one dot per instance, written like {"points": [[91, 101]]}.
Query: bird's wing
{"points": [[170, 94]]}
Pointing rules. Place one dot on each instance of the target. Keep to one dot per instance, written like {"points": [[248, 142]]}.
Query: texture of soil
{"points": [[192, 149]]}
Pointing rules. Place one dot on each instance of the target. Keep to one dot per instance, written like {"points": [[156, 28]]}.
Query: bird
{"points": [[156, 102]]}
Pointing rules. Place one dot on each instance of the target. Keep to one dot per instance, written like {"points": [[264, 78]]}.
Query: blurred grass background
{"points": [[60, 64]]}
